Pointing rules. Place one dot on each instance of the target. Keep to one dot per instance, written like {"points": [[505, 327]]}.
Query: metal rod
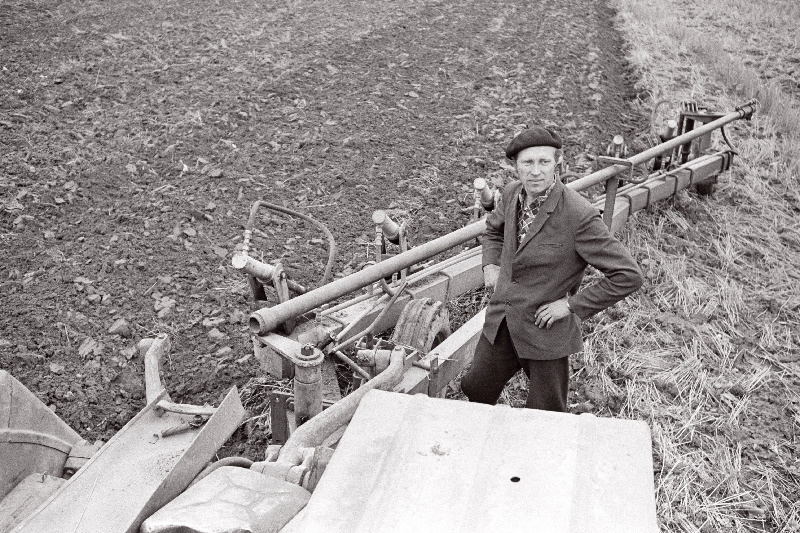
{"points": [[427, 271], [268, 319], [637, 159], [361, 315], [352, 364], [371, 327]]}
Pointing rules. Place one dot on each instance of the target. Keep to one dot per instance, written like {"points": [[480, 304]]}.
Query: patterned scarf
{"points": [[526, 213]]}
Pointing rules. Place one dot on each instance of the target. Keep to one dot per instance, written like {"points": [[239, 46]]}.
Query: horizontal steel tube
{"points": [[413, 278], [602, 175], [266, 320]]}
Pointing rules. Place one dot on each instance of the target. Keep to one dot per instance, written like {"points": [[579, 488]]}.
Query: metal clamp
{"points": [[280, 282], [606, 161]]}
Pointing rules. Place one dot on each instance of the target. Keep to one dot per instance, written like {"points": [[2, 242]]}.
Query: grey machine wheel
{"points": [[423, 324]]}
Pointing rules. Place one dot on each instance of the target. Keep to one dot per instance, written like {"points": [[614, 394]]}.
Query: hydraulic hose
{"points": [[314, 432], [285, 210]]}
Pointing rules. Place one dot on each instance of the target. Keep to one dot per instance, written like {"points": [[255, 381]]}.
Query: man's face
{"points": [[536, 168]]}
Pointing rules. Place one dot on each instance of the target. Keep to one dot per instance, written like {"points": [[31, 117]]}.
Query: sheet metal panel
{"points": [[413, 463], [135, 473], [32, 437]]}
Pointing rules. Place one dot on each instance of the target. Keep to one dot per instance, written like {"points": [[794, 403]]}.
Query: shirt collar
{"points": [[523, 195]]}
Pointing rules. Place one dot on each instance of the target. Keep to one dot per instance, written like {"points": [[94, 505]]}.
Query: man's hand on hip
{"points": [[490, 275], [548, 314]]}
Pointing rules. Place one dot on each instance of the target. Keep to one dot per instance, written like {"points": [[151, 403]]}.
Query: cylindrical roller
{"points": [[308, 384], [254, 267], [260, 270]]}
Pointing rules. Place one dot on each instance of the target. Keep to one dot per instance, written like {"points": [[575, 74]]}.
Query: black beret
{"points": [[535, 136]]}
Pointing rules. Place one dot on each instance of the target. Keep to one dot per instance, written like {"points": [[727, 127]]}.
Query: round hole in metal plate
{"points": [[515, 479]]}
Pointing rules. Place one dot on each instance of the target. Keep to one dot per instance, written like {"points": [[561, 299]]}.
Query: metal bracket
{"points": [[281, 415], [281, 285], [613, 184], [434, 387], [606, 161]]}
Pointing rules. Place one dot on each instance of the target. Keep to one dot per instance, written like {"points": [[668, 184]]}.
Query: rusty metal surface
{"points": [[413, 463]]}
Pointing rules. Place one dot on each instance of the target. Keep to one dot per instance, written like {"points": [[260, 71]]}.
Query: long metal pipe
{"points": [[413, 278], [602, 175], [265, 320], [268, 319]]}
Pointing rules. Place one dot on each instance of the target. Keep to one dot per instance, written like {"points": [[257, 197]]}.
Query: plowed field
{"points": [[135, 135]]}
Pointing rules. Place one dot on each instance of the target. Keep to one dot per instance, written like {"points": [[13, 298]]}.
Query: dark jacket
{"points": [[566, 235]]}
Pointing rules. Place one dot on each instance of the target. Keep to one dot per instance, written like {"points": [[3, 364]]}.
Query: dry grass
{"points": [[255, 397], [712, 361]]}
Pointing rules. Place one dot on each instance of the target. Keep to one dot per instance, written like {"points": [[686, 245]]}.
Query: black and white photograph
{"points": [[348, 266]]}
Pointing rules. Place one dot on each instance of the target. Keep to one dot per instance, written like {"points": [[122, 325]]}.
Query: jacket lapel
{"points": [[512, 212], [544, 213]]}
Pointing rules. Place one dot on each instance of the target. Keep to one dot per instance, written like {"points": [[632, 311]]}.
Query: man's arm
{"points": [[598, 247], [493, 245]]}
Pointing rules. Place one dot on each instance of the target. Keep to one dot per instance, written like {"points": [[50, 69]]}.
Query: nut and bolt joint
{"points": [[309, 356]]}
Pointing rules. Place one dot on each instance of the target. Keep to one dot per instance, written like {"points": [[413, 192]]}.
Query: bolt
{"points": [[307, 351]]}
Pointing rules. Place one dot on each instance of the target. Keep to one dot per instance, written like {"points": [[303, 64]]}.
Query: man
{"points": [[537, 244]]}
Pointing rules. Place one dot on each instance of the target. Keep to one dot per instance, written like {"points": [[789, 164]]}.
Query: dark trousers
{"points": [[494, 364]]}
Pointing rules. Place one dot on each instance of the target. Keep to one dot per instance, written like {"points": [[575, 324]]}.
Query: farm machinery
{"points": [[393, 454]]}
